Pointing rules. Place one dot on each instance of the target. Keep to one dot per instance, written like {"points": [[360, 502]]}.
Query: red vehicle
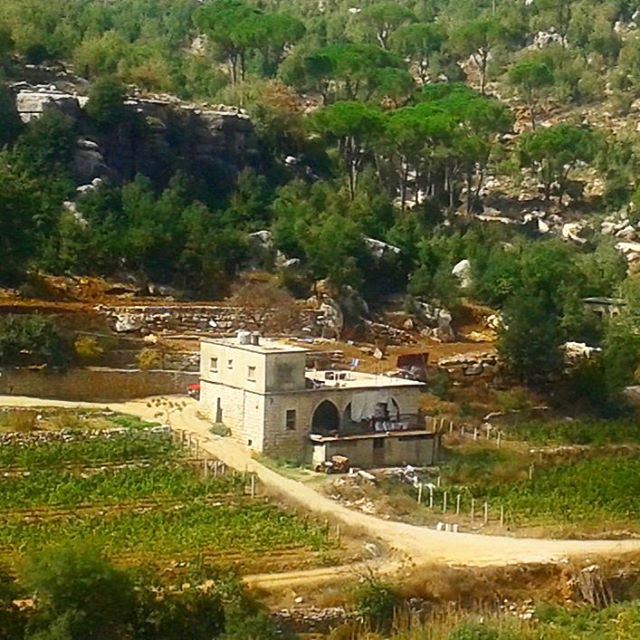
{"points": [[193, 391]]}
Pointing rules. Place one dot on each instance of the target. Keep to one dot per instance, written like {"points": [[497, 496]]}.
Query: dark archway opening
{"points": [[326, 418]]}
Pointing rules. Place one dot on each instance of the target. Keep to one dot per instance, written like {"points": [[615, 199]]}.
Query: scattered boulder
{"points": [[381, 249], [262, 253], [575, 351], [129, 322], [462, 271], [331, 319], [572, 230], [438, 321]]}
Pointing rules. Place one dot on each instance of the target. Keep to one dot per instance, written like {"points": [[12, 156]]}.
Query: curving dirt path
{"points": [[417, 545]]}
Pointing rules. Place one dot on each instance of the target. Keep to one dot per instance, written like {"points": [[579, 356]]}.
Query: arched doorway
{"points": [[326, 418]]}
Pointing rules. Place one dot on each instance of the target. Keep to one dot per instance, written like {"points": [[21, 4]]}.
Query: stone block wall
{"points": [[294, 443], [418, 451], [95, 384], [242, 412]]}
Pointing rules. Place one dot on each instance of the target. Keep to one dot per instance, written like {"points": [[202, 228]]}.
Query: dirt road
{"points": [[418, 545]]}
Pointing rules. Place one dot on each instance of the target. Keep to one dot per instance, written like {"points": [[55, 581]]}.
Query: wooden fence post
{"points": [[420, 493], [444, 502], [502, 515], [430, 496], [486, 512], [458, 499], [473, 509]]}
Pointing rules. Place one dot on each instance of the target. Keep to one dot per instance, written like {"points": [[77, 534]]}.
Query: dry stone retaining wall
{"points": [[95, 384]]}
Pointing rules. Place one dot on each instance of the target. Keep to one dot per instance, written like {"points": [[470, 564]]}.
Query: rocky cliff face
{"points": [[163, 135]]}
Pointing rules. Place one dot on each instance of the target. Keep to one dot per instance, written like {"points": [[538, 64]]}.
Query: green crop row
{"points": [[597, 489], [594, 488], [134, 445], [251, 528], [64, 488], [582, 432]]}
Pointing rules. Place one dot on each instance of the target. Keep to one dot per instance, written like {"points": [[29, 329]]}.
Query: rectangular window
{"points": [[213, 365], [378, 443], [230, 364], [290, 420], [251, 374]]}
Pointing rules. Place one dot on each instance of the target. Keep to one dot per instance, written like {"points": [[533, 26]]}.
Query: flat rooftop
{"points": [[266, 345], [336, 379]]}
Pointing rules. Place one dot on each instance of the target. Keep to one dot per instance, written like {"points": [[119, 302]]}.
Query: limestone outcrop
{"points": [[162, 135]]}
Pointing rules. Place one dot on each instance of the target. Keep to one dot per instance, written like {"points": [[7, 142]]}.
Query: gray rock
{"points": [[462, 271], [379, 249], [33, 103]]}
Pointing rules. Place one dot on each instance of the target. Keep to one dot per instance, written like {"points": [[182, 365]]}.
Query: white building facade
{"points": [[262, 392]]}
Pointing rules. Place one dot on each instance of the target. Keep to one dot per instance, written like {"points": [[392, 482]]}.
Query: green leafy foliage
{"points": [[531, 340], [531, 78], [553, 152], [376, 603], [381, 122], [80, 593], [32, 340], [590, 432], [106, 102], [591, 491]]}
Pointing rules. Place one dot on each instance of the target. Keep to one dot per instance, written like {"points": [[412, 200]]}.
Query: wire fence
{"points": [[209, 465]]}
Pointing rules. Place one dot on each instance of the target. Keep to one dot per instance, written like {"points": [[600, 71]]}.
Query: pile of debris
{"points": [[378, 331], [312, 619], [471, 364], [158, 319], [35, 438], [577, 351], [348, 491]]}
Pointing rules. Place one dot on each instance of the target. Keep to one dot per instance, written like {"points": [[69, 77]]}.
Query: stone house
{"points": [[262, 391]]}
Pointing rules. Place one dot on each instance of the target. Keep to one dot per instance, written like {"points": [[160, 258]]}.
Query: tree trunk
{"points": [[483, 71], [404, 177]]}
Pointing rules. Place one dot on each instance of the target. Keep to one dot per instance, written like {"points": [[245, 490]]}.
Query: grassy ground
{"points": [[576, 432], [562, 479], [619, 622], [56, 419], [578, 492]]}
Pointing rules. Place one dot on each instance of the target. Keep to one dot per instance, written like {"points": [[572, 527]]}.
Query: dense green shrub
{"points": [[32, 339]]}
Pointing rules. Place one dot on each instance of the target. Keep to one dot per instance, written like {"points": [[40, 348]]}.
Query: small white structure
{"points": [[262, 392]]}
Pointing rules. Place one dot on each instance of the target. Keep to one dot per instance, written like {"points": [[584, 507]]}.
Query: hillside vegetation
{"points": [[398, 123]]}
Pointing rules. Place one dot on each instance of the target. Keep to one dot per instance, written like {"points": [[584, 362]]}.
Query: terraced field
{"points": [[144, 501]]}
